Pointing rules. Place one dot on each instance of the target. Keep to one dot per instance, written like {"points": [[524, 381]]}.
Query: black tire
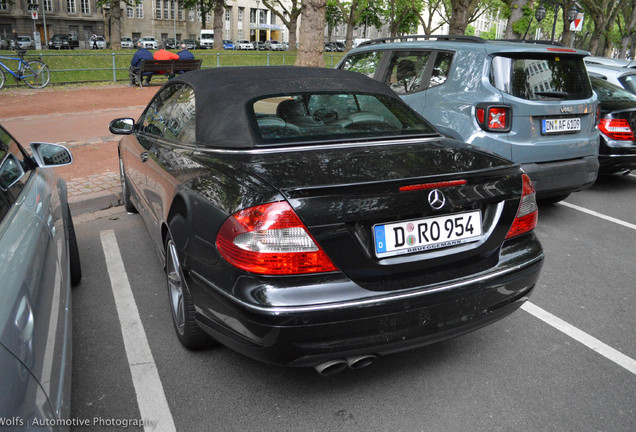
{"points": [[73, 251], [553, 199], [182, 309], [125, 189]]}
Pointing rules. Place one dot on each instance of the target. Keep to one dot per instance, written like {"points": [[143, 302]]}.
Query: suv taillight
{"points": [[494, 118], [616, 129], [528, 212], [271, 239]]}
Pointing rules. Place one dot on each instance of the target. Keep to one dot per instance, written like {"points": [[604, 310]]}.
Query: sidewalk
{"points": [[78, 118]]}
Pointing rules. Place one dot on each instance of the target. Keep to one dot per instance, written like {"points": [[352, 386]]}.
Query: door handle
{"points": [[144, 157]]}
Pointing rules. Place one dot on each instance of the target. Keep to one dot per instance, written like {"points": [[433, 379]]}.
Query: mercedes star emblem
{"points": [[436, 199]]}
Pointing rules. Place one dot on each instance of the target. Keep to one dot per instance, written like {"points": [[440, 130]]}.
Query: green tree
{"points": [[333, 17], [204, 7], [403, 16], [427, 20], [603, 14], [288, 15]]}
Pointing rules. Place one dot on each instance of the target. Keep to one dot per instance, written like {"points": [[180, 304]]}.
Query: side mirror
{"points": [[122, 126], [51, 155], [11, 172]]}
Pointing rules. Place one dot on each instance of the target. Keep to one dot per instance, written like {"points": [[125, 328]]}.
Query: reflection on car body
{"points": [[40, 261], [275, 205]]}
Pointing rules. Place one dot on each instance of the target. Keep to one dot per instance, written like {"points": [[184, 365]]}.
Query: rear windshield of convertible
{"points": [[319, 117]]}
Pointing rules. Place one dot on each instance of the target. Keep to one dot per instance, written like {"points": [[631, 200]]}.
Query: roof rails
{"points": [[542, 42], [456, 38]]}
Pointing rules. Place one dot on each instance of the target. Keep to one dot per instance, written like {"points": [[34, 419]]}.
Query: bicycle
{"points": [[34, 73]]}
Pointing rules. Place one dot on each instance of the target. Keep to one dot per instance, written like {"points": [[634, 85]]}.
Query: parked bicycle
{"points": [[34, 73]]}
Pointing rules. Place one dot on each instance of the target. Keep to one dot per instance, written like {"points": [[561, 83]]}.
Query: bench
{"points": [[168, 67]]}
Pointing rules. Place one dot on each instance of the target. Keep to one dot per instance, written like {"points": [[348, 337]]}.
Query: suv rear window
{"points": [[541, 77]]}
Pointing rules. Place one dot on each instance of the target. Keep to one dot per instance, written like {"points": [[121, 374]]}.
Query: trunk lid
{"points": [[342, 192]]}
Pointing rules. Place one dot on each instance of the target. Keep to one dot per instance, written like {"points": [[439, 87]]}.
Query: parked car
{"points": [[528, 102], [149, 42], [620, 76], [334, 47], [98, 43], [606, 61], [25, 42], [259, 45], [4, 44], [127, 43], [311, 218], [617, 151], [190, 43], [60, 41], [40, 261], [244, 44], [274, 45], [171, 43], [228, 45]]}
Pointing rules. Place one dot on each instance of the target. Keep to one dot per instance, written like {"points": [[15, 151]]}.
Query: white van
{"points": [[206, 39]]}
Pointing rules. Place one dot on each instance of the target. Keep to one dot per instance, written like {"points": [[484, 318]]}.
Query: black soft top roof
{"points": [[223, 96]]}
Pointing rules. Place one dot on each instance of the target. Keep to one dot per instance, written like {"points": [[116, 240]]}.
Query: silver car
{"points": [[126, 43], [621, 76], [39, 263]]}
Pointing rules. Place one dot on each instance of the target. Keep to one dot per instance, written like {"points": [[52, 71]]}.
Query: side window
{"points": [[171, 114], [365, 63], [406, 70], [440, 69]]}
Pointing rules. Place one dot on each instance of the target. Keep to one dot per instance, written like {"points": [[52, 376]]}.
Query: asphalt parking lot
{"points": [[563, 363]]}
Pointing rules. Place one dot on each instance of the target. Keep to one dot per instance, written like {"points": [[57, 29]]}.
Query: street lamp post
{"points": [[570, 14], [258, 18]]}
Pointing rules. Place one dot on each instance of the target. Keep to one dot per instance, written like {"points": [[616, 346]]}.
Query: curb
{"points": [[95, 201]]}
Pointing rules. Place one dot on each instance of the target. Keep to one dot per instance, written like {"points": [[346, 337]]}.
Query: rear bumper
{"points": [[562, 177], [385, 323]]}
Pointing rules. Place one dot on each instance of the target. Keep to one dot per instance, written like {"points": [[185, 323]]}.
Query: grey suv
{"points": [[529, 102]]}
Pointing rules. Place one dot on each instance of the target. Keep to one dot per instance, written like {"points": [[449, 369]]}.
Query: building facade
{"points": [[80, 18]]}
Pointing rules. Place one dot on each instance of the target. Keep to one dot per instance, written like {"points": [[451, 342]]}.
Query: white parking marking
{"points": [[605, 350], [599, 215], [151, 398]]}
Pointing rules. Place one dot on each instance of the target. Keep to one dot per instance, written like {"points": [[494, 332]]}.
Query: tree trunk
{"points": [[115, 25], [516, 13], [293, 26], [312, 27], [219, 12], [459, 17]]}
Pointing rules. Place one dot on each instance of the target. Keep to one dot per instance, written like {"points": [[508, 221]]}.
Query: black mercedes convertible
{"points": [[309, 217]]}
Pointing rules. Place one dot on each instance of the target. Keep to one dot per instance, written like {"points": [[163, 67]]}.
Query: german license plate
{"points": [[426, 234], [550, 126]]}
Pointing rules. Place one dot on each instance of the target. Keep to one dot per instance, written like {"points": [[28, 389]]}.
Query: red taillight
{"points": [[494, 118], [271, 239], [528, 212], [617, 129]]}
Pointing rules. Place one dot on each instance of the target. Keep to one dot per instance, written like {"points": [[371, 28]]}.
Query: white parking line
{"points": [[599, 215], [151, 398], [605, 350]]}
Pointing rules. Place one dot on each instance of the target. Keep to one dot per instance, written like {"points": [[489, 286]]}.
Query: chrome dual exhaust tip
{"points": [[332, 367]]}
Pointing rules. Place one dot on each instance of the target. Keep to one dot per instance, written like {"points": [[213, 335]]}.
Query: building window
{"points": [[70, 6], [253, 16], [228, 14], [130, 13], [4, 5], [166, 9], [262, 16], [273, 19], [240, 14], [240, 33], [86, 7], [48, 6], [139, 9]]}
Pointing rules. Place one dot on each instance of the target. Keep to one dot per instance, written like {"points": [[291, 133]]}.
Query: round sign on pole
{"points": [[34, 15]]}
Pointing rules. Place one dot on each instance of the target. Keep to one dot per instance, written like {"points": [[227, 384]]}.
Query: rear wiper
{"points": [[556, 94]]}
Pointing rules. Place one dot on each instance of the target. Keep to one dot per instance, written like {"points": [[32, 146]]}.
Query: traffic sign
{"points": [[577, 24], [34, 15]]}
